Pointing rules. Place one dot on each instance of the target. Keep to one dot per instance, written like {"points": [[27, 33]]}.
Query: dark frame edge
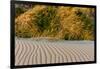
{"points": [[56, 64], [95, 48], [54, 3], [12, 59]]}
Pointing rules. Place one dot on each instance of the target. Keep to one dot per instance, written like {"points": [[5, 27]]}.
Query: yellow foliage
{"points": [[64, 22]]}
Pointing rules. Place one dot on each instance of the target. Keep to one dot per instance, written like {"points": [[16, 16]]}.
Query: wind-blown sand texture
{"points": [[31, 52]]}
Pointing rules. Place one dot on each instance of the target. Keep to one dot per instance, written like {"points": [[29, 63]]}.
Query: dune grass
{"points": [[69, 23]]}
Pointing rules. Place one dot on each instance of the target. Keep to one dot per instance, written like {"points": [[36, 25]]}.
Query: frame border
{"points": [[12, 38]]}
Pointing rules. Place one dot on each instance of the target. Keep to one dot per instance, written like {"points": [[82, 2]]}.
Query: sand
{"points": [[31, 52]]}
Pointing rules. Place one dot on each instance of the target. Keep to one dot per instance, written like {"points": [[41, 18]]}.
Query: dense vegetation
{"points": [[69, 23]]}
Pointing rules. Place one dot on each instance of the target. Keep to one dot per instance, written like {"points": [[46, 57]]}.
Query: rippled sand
{"points": [[30, 51]]}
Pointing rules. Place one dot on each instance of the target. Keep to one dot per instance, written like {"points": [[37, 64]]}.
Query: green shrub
{"points": [[44, 18], [19, 11]]}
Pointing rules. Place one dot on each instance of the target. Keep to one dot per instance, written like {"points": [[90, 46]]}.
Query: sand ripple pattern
{"points": [[31, 52]]}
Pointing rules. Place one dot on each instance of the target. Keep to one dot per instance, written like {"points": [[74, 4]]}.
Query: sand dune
{"points": [[30, 52]]}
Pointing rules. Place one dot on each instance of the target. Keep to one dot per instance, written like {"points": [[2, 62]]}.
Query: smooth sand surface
{"points": [[31, 52]]}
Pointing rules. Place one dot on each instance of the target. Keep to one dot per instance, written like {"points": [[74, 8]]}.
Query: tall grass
{"points": [[69, 23]]}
